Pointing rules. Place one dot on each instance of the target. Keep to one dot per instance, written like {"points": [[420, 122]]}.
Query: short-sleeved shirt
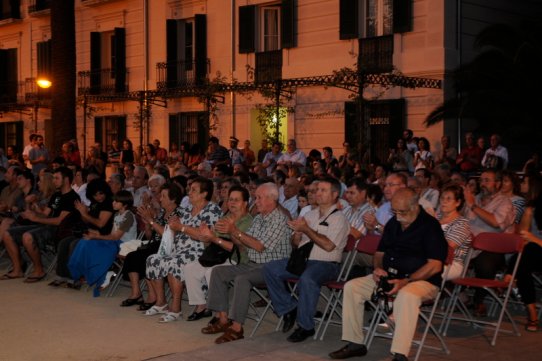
{"points": [[408, 250], [297, 156], [219, 155], [273, 231], [125, 222], [334, 226], [242, 224], [96, 208], [474, 152], [355, 216], [458, 232], [63, 202], [34, 154]]}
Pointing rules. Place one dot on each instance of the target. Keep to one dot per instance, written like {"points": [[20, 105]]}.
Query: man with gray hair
{"points": [[411, 255], [266, 240], [139, 184]]}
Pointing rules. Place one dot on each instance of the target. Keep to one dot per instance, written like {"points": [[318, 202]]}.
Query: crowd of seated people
{"points": [[208, 223]]}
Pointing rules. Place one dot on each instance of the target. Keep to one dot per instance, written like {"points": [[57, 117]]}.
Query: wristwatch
{"points": [[378, 228], [151, 223]]}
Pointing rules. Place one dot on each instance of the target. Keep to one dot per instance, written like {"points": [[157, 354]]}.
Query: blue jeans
{"points": [[308, 288]]}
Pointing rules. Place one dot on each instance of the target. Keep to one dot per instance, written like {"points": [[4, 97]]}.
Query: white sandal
{"points": [[156, 310], [170, 317]]}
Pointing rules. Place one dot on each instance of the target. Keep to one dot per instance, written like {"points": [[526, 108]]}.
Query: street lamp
{"points": [[43, 83]]}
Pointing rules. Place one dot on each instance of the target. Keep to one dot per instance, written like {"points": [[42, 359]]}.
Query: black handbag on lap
{"points": [[298, 258], [300, 255], [213, 254]]}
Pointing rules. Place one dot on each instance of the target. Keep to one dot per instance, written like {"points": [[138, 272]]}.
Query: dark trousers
{"points": [[486, 265], [531, 261]]}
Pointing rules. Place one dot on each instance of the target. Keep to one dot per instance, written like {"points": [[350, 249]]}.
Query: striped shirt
{"points": [[458, 232], [355, 216]]}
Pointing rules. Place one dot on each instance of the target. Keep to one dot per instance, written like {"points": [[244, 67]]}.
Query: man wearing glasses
{"points": [[375, 222], [411, 255]]}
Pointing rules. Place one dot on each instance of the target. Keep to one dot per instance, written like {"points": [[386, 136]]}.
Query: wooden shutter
{"points": [[44, 58], [95, 62], [120, 60], [402, 16], [247, 29], [200, 27], [288, 23], [348, 19], [15, 9], [19, 132]]}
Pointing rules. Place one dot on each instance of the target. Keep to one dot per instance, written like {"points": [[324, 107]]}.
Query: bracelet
{"points": [[219, 242], [182, 229], [151, 223]]}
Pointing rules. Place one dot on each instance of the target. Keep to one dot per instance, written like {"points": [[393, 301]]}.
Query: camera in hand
{"points": [[383, 286]]}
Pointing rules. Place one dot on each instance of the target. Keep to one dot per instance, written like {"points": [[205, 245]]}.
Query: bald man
{"points": [[411, 254]]}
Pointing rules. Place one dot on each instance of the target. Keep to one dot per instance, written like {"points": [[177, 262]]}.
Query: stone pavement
{"points": [[38, 322]]}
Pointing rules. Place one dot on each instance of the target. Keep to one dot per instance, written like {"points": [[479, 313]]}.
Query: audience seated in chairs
{"points": [[48, 225], [411, 254], [98, 216], [219, 251], [136, 261], [267, 239], [327, 229], [94, 254], [186, 248]]}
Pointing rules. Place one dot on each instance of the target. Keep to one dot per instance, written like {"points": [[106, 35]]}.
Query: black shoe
{"points": [[289, 320], [199, 315], [350, 350], [300, 335], [132, 302], [399, 357]]}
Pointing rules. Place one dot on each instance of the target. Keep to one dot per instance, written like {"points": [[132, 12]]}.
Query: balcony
{"points": [[39, 7], [102, 82], [376, 54], [268, 66], [181, 74]]}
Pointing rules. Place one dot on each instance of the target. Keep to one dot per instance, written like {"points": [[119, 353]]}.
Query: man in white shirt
{"points": [[290, 203], [293, 156], [139, 184], [328, 229], [496, 157]]}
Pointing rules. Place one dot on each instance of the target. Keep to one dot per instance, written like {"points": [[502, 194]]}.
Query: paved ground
{"points": [[38, 322]]}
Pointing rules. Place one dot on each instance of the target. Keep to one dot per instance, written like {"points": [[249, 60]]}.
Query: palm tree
{"points": [[63, 97], [500, 90]]}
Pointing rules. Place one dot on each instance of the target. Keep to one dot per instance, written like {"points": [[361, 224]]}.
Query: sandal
{"points": [[531, 326], [156, 310], [216, 327], [230, 335], [170, 317]]}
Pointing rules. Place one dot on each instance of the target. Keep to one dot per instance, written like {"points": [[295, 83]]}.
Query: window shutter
{"points": [[11, 76], [201, 47], [348, 19], [247, 29], [397, 120], [288, 23], [95, 62], [402, 16], [121, 131], [352, 126], [15, 9], [44, 58], [120, 60], [98, 129]]}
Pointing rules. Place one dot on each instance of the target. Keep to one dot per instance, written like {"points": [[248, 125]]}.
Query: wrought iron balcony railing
{"points": [[32, 92], [102, 82], [268, 66], [376, 54], [179, 74]]}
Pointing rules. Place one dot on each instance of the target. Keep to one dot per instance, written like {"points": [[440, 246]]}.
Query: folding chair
{"points": [[255, 314], [380, 313], [119, 264], [368, 245], [497, 243]]}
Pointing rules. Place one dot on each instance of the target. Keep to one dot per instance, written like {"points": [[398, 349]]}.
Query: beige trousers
{"points": [[406, 309]]}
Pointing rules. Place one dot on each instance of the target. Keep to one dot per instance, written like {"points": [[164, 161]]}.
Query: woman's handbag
{"points": [[213, 254]]}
